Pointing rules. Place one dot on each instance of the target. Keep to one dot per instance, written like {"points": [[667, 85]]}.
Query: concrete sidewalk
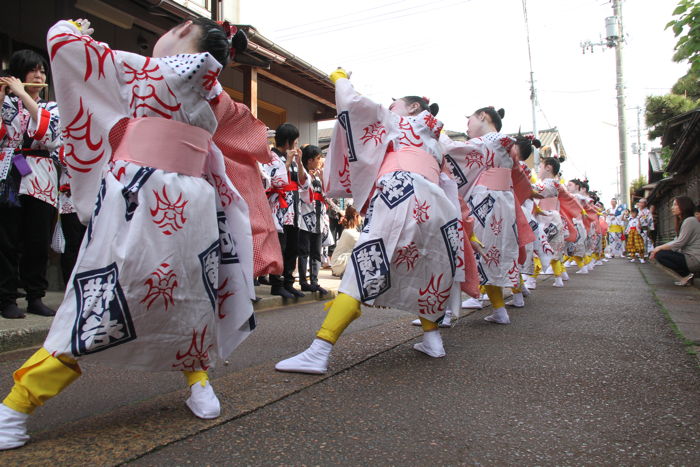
{"points": [[32, 330]]}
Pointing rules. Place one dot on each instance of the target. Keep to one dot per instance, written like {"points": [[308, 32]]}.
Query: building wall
{"points": [[666, 228]]}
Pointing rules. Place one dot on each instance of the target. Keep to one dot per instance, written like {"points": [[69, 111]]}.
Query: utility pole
{"points": [[533, 92], [620, 86], [614, 37]]}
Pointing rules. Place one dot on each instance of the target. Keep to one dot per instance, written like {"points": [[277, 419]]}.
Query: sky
{"points": [[467, 54]]}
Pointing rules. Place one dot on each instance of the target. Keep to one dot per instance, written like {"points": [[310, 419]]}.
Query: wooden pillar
{"points": [[250, 89]]}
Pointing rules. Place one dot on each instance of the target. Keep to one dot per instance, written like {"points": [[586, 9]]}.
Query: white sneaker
{"points": [[641, 260], [313, 360], [472, 302], [605, 260], [632, 260], [558, 282], [203, 402], [499, 316], [565, 276], [431, 345], [13, 428], [517, 301]]}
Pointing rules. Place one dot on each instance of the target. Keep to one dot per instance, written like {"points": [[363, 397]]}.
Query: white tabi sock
{"points": [[313, 360], [499, 316], [431, 345], [472, 302], [13, 428], [517, 301]]}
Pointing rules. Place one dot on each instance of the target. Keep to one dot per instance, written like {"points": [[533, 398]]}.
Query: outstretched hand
{"points": [[83, 25]]}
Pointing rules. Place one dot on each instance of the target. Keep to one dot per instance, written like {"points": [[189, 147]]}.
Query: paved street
{"points": [[592, 374]]}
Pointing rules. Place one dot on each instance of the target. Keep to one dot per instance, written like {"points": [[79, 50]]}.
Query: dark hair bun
{"points": [[434, 108], [501, 113], [537, 143], [239, 41]]}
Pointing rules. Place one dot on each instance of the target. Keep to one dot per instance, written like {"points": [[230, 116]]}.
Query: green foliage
{"points": [[666, 153], [687, 29], [661, 108], [688, 86], [638, 183]]}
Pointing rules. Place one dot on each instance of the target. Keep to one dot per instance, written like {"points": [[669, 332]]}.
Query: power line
{"points": [[333, 18], [389, 16]]}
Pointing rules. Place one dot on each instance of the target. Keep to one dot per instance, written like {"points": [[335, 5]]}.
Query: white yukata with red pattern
{"points": [[493, 210], [163, 280], [550, 221], [411, 246], [45, 134]]}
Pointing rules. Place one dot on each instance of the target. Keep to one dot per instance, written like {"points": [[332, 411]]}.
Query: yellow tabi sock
{"points": [[495, 294], [342, 311], [39, 379], [538, 266], [557, 267], [199, 376], [428, 325]]}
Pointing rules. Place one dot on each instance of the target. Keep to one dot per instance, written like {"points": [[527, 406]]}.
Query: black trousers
{"points": [[25, 237], [309, 249], [673, 260], [73, 230], [289, 242]]}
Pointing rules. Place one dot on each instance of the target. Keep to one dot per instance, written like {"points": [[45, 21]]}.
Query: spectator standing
{"points": [[312, 212], [286, 180], [30, 140]]}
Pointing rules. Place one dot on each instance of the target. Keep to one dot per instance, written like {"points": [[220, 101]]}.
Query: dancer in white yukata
{"points": [[163, 280], [549, 218], [616, 228], [482, 167], [410, 248]]}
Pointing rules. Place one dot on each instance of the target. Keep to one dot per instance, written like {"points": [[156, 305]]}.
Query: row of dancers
{"points": [[163, 166]]}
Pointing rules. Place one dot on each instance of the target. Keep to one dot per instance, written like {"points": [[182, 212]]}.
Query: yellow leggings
{"points": [[43, 376], [538, 266], [579, 261], [342, 311], [557, 267], [495, 294]]}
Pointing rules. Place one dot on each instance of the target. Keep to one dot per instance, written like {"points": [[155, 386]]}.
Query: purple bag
{"points": [[21, 165]]}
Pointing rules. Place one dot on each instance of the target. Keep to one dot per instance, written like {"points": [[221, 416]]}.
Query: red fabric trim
{"points": [[44, 117], [3, 130], [291, 186]]}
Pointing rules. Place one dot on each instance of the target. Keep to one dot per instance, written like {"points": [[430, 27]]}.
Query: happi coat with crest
{"points": [[163, 280], [411, 245]]}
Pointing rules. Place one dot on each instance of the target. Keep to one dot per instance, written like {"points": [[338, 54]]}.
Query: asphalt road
{"points": [[590, 374]]}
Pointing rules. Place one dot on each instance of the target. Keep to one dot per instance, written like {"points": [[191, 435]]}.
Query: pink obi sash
{"points": [[411, 160], [164, 144], [549, 204], [496, 178], [501, 179]]}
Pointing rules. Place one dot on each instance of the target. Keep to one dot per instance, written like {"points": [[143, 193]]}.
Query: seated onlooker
{"points": [[350, 222], [682, 255]]}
